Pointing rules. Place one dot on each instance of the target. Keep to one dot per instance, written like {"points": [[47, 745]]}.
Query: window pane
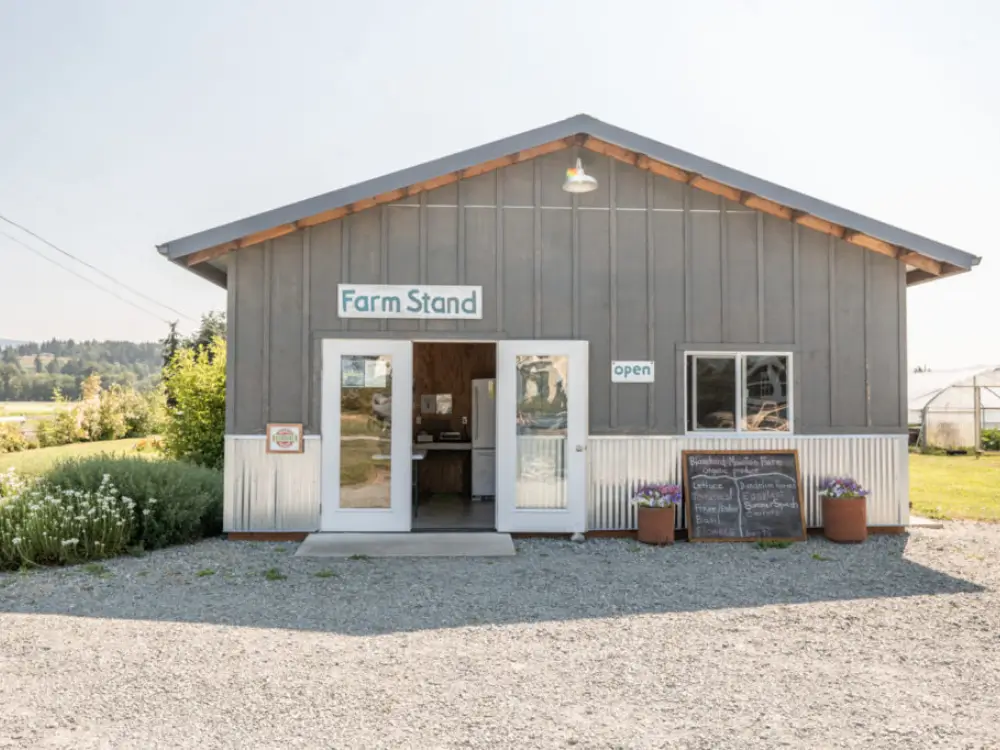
{"points": [[541, 431], [766, 407], [715, 393], [365, 431]]}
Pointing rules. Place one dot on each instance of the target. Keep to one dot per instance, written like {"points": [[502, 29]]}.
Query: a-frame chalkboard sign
{"points": [[743, 496]]}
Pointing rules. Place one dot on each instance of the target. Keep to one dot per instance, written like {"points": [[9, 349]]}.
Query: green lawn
{"points": [[953, 487], [37, 461]]}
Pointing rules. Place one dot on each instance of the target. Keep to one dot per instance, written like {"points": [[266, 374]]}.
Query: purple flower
{"points": [[842, 487], [658, 495]]}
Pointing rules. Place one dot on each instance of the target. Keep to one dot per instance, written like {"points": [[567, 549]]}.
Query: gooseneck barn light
{"points": [[578, 181]]}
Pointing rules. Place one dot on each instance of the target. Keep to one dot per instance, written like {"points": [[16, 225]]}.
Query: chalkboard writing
{"points": [[743, 495]]}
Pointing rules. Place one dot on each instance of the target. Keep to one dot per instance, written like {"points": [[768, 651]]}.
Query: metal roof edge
{"points": [[785, 196], [183, 246], [581, 123]]}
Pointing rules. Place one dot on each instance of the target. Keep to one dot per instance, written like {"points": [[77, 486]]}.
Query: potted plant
{"points": [[657, 504], [845, 510]]}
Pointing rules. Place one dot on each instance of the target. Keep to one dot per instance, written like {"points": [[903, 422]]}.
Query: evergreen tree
{"points": [[170, 344], [213, 326]]}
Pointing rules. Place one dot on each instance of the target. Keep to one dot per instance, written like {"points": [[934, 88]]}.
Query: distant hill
{"points": [[32, 371]]}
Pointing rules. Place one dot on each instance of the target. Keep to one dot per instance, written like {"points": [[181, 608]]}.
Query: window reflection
{"points": [[766, 407], [542, 421], [365, 431], [712, 383]]}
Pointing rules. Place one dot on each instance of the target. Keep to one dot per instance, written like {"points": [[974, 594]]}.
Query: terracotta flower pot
{"points": [[845, 519], [656, 525]]}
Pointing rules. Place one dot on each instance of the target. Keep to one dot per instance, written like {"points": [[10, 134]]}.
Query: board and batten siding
{"points": [[642, 268]]}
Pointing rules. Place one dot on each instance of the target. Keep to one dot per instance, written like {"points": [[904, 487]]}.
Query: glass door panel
{"points": [[542, 436], [367, 445]]}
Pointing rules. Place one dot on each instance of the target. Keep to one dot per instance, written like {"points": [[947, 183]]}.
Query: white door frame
{"points": [[573, 517], [399, 515]]}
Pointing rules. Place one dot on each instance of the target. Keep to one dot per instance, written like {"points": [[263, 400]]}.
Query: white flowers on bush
{"points": [[40, 524]]}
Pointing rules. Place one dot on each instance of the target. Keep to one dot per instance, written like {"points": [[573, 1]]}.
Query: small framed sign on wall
{"points": [[284, 438]]}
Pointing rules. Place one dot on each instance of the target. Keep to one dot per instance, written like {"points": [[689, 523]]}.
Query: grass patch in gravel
{"points": [[96, 569], [359, 557], [204, 572], [773, 544], [325, 574], [273, 574], [818, 556]]}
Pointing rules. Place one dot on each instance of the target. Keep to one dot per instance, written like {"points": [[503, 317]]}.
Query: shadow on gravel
{"points": [[547, 581]]}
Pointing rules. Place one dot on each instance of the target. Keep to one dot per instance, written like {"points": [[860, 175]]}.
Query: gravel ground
{"points": [[606, 644]]}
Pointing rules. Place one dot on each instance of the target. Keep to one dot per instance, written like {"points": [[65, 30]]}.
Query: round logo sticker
{"points": [[284, 438]]}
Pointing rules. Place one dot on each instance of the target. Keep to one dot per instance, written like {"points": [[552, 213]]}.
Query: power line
{"points": [[81, 276], [94, 268]]}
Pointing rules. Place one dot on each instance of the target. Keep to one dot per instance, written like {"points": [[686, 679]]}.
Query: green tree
{"points": [[196, 419], [213, 326], [171, 344]]}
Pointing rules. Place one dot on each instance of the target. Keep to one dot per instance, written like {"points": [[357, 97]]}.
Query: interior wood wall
{"points": [[448, 368]]}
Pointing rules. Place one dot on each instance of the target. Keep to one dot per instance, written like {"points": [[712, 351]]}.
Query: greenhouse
{"points": [[947, 408]]}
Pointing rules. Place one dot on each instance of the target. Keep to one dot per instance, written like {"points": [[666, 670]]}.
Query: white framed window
{"points": [[738, 392]]}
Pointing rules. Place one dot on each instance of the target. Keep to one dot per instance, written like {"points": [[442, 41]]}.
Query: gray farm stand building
{"points": [[747, 316]]}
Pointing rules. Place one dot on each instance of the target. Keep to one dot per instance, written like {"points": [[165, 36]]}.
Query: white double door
{"points": [[368, 450]]}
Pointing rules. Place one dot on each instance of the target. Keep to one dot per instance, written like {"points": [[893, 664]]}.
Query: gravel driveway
{"points": [[605, 644]]}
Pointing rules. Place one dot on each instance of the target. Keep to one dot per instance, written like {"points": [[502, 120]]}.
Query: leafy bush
{"points": [[175, 502], [42, 525], [64, 427], [120, 412], [991, 440], [196, 389], [13, 440]]}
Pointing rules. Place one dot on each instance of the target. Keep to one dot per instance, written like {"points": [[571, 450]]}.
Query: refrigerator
{"points": [[484, 435]]}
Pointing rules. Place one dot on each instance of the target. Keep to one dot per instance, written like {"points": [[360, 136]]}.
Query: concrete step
{"points": [[919, 522], [450, 544]]}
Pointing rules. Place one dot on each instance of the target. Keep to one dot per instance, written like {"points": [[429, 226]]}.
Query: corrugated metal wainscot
{"points": [[266, 492], [271, 492], [618, 465]]}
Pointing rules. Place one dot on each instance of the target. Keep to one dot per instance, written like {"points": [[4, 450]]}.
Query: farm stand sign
{"points": [[404, 301]]}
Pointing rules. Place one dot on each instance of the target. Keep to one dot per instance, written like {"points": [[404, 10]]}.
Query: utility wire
{"points": [[108, 276], [81, 276]]}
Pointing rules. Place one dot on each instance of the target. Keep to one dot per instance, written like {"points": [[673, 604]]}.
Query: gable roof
{"points": [[925, 258]]}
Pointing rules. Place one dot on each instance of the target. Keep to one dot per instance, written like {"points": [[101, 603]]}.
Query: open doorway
{"points": [[454, 434]]}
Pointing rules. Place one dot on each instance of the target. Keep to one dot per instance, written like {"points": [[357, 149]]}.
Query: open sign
{"points": [[632, 372]]}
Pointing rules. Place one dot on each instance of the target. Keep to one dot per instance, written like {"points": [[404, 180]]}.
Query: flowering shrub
{"points": [[45, 525], [841, 487], [658, 495], [184, 502]]}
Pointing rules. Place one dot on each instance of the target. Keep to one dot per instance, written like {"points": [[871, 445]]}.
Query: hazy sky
{"points": [[127, 123]]}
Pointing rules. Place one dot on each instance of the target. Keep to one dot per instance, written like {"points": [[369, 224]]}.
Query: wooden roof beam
{"points": [[871, 243], [922, 262], [766, 206], [818, 224]]}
